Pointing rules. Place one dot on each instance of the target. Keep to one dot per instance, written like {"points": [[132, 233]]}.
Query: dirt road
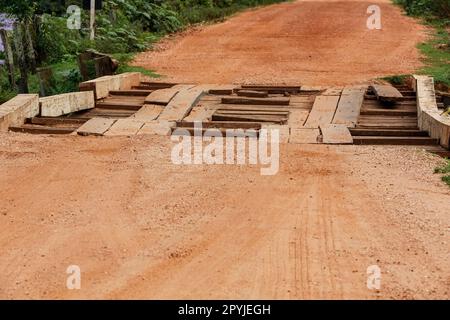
{"points": [[308, 42], [140, 227]]}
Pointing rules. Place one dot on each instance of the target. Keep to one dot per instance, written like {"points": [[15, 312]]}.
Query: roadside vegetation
{"points": [[123, 28], [436, 14], [445, 170]]}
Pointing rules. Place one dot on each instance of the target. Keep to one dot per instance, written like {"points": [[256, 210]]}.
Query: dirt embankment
{"points": [[308, 42]]}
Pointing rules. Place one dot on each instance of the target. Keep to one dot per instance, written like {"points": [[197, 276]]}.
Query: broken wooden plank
{"points": [[181, 105], [304, 136], [164, 96], [322, 111], [257, 101], [148, 112], [95, 127], [252, 94], [125, 127], [349, 107], [386, 93], [336, 134]]}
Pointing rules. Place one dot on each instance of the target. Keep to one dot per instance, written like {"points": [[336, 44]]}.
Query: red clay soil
{"points": [[308, 42], [139, 226]]}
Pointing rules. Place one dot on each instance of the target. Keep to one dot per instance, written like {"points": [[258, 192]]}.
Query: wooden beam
{"points": [[118, 105], [252, 94], [36, 129], [336, 134], [140, 93], [257, 101], [95, 127], [181, 105], [48, 121], [386, 93], [322, 111], [221, 124], [164, 96], [349, 107]]}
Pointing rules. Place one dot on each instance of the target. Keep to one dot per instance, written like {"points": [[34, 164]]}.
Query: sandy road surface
{"points": [[141, 227], [308, 42]]}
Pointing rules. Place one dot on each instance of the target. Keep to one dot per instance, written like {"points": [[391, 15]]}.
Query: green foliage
{"points": [[122, 26], [397, 79], [445, 169], [427, 8], [435, 13], [437, 53]]}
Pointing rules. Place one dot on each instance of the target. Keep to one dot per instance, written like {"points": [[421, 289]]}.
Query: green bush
{"points": [[437, 8]]}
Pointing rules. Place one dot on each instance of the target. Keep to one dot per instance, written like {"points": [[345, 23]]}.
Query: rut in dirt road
{"points": [[307, 42]]}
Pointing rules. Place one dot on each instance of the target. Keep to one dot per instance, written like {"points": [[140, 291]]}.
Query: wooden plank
{"points": [[48, 121], [283, 131], [140, 93], [349, 107], [160, 128], [148, 112], [36, 129], [95, 127], [125, 127], [157, 85], [225, 132], [164, 96], [119, 105], [322, 111], [388, 132], [386, 93], [297, 118], [257, 101], [252, 118], [304, 136], [257, 112], [387, 112], [273, 89], [395, 140], [334, 91], [234, 107], [252, 94], [336, 134], [221, 124], [200, 114], [222, 89], [181, 105]]}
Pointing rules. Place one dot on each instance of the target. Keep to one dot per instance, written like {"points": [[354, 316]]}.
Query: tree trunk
{"points": [[31, 55], [21, 59], [9, 58]]}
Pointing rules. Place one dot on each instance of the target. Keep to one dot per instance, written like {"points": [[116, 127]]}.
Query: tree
{"points": [[23, 11]]}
